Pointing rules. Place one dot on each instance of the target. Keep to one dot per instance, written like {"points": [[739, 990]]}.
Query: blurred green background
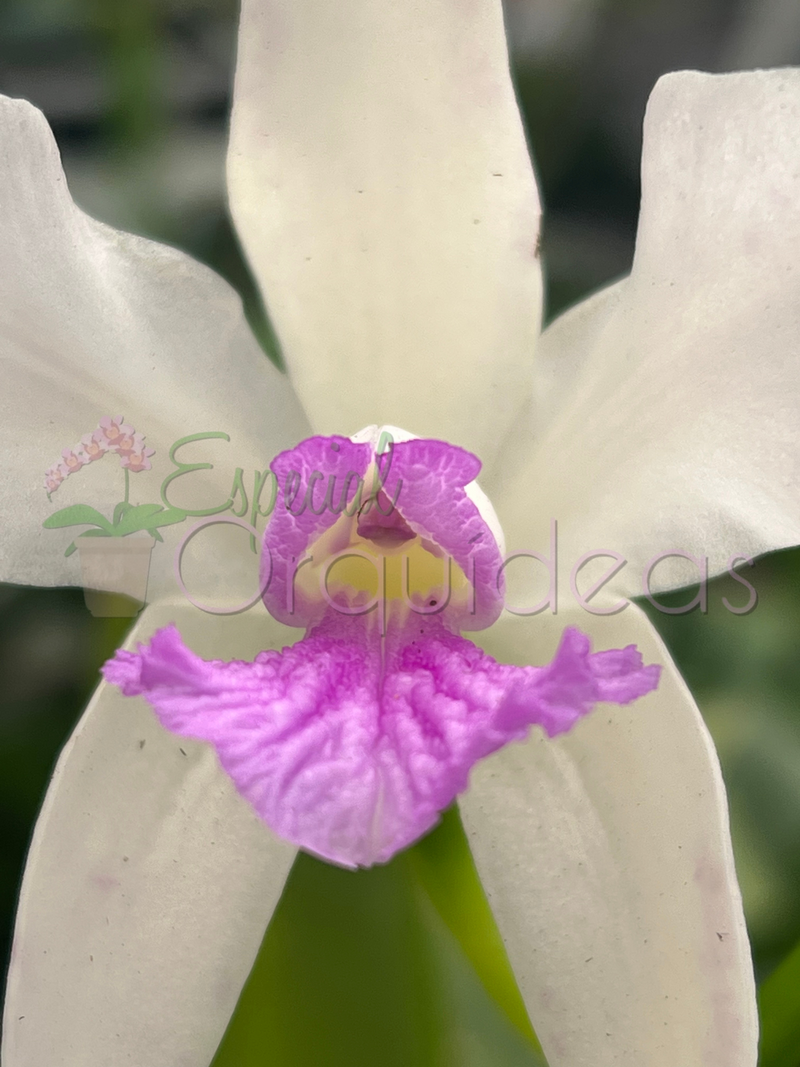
{"points": [[401, 964]]}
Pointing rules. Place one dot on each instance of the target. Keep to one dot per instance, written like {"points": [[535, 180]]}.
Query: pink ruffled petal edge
{"points": [[351, 751]]}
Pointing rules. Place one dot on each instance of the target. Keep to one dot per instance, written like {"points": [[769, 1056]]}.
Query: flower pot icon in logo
{"points": [[114, 572]]}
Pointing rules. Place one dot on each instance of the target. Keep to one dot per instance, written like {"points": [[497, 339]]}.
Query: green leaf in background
{"points": [[343, 978], [75, 515], [779, 1009], [444, 865], [360, 968]]}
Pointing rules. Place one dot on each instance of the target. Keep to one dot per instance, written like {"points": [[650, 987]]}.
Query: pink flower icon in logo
{"points": [[113, 432], [138, 460], [130, 443], [91, 448], [111, 435], [53, 479], [72, 461]]}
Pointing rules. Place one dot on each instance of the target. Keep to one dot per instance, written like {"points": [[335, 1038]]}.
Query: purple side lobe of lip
{"points": [[428, 478], [423, 493], [305, 508]]}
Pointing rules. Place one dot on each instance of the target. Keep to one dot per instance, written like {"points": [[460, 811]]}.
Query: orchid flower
{"points": [[71, 461], [112, 432], [53, 478], [137, 458], [381, 185], [91, 449]]}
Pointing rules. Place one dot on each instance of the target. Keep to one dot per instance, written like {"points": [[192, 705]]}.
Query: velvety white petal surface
{"points": [[607, 860], [680, 426], [565, 345], [95, 323], [148, 887], [381, 186]]}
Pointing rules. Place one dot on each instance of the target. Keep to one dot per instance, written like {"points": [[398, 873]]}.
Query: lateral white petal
{"points": [[381, 185], [95, 323], [148, 887], [680, 430], [607, 860], [560, 353]]}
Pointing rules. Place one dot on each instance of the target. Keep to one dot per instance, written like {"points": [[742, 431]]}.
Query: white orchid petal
{"points": [[680, 428], [148, 887], [560, 354], [94, 323], [607, 860], [381, 186]]}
